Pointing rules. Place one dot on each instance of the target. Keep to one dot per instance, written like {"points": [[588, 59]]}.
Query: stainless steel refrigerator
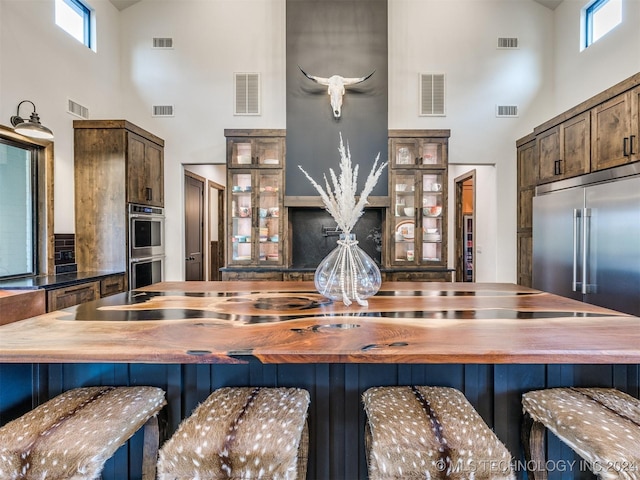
{"points": [[586, 238]]}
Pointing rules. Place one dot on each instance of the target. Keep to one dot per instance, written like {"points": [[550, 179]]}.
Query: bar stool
{"points": [[602, 425], [430, 432], [242, 432], [72, 435]]}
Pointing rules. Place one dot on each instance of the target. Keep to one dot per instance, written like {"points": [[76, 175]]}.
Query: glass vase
{"points": [[348, 273]]}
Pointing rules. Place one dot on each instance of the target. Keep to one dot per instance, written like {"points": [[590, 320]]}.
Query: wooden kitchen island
{"points": [[492, 341]]}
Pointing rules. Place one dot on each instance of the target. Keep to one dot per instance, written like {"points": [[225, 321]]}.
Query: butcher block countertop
{"points": [[289, 322]]}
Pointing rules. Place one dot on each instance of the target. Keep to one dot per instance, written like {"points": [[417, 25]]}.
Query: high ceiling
{"points": [[122, 4]]}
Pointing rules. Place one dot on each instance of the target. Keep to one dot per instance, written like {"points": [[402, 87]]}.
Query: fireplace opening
{"points": [[312, 234]]}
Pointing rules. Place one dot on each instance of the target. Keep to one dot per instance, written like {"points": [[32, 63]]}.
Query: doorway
{"points": [[465, 221], [193, 226], [216, 230]]}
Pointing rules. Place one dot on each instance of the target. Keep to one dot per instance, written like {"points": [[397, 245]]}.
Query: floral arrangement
{"points": [[342, 202], [347, 273]]}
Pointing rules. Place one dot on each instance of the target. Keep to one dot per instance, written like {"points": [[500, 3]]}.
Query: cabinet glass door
{"points": [[432, 226], [269, 152], [241, 152], [241, 217], [432, 153], [269, 216], [404, 220], [405, 153]]}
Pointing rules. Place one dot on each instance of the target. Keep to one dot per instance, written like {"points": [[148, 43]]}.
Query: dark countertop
{"points": [[48, 282]]}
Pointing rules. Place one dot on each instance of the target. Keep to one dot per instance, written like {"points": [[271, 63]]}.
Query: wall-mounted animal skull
{"points": [[336, 88]]}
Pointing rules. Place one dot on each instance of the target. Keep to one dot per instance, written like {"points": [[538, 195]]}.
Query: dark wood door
{"points": [[193, 227]]}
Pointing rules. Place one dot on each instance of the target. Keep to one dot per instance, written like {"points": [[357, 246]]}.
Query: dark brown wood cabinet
{"points": [[112, 284], [527, 176], [86, 291], [615, 131], [66, 297], [145, 167], [565, 150], [115, 163]]}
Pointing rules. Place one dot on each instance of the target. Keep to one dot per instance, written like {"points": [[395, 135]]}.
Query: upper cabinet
{"points": [[600, 133], [145, 171], [131, 157], [564, 150], [255, 148], [418, 191], [411, 152], [615, 131]]}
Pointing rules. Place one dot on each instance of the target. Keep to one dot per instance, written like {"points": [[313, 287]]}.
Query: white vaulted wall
{"points": [[215, 38]]}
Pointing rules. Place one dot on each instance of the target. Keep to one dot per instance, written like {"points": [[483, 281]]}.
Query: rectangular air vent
{"points": [[78, 110], [507, 43], [247, 94], [506, 110], [163, 42], [432, 99], [162, 111]]}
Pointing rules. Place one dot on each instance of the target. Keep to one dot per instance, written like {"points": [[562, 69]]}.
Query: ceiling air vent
{"points": [[162, 111], [247, 94], [78, 110], [506, 110], [432, 94], [165, 43], [507, 43]]}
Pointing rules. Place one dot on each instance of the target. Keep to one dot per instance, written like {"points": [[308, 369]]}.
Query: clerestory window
{"points": [[599, 18], [74, 17]]}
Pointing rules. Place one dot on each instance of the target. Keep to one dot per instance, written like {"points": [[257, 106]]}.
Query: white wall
{"points": [[459, 38], [44, 64], [212, 39], [581, 74]]}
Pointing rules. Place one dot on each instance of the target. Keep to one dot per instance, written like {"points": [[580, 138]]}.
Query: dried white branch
{"points": [[340, 201]]}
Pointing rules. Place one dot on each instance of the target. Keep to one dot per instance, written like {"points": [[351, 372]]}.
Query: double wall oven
{"points": [[146, 245]]}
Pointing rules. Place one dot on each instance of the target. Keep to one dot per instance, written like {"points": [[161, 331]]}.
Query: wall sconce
{"points": [[32, 127]]}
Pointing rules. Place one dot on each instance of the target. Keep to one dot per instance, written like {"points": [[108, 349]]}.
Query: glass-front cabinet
{"points": [[418, 191], [255, 199], [418, 152], [251, 151]]}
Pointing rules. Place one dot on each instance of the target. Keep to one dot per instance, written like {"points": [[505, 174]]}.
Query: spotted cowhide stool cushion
{"points": [[241, 432], [430, 433], [601, 424], [72, 435]]}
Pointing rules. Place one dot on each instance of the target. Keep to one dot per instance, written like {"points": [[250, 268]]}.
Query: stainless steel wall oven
{"points": [[146, 245]]}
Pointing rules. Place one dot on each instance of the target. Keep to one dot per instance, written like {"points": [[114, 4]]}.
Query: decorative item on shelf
{"points": [[347, 273]]}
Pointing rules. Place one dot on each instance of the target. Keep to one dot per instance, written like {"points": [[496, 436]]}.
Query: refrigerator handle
{"points": [[577, 213], [586, 227]]}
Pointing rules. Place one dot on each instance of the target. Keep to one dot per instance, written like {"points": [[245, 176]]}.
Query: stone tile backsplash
{"points": [[65, 252]]}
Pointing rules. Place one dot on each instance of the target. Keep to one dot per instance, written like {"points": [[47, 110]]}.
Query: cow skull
{"points": [[336, 88]]}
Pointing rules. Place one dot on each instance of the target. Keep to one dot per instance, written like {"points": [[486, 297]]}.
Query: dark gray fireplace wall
{"points": [[325, 38]]}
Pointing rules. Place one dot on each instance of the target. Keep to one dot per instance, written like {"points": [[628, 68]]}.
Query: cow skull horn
{"points": [[336, 87]]}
